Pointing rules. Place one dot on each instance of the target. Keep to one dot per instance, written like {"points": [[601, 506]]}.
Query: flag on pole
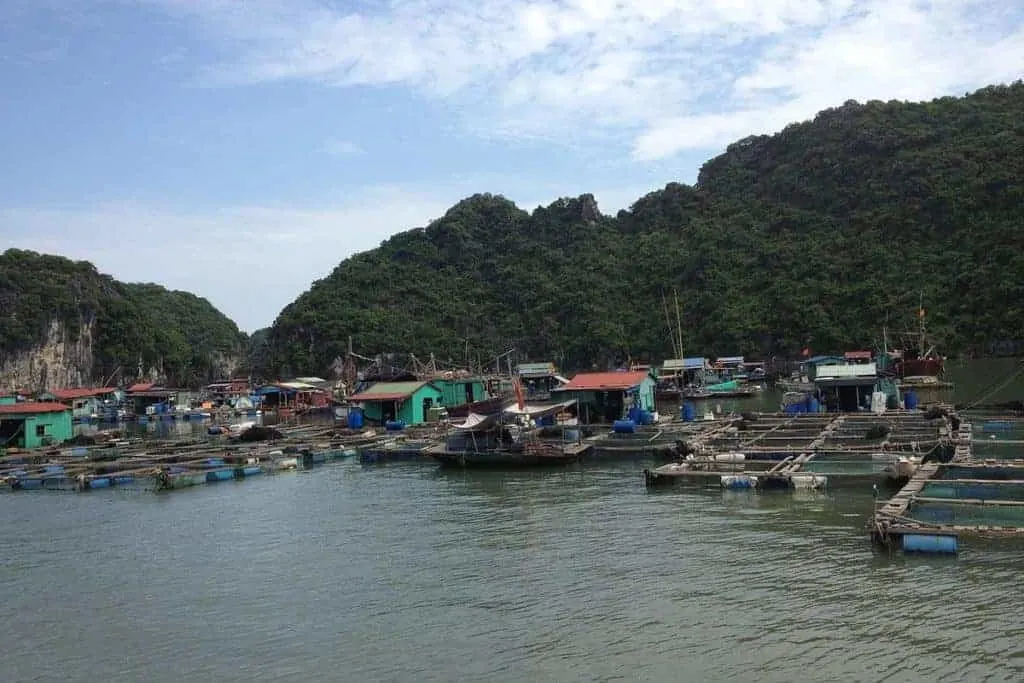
{"points": [[518, 388]]}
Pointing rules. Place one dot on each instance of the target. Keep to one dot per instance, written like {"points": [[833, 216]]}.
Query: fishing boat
{"points": [[511, 438], [917, 357]]}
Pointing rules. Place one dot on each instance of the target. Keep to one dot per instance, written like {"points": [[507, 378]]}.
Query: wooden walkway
{"points": [[894, 518]]}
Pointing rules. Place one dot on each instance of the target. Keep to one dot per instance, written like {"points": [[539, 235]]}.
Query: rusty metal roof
{"points": [[605, 381], [33, 408]]}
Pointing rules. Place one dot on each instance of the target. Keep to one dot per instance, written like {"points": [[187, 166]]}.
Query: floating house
{"points": [[539, 379], [846, 387], [229, 389], [684, 370], [461, 390], [34, 424], [409, 402], [85, 403], [292, 394], [809, 368], [609, 396], [858, 357], [730, 368], [147, 398]]}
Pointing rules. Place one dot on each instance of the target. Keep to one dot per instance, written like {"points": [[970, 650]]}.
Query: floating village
{"points": [[878, 421]]}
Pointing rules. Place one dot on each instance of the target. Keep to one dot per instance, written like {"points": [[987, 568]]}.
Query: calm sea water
{"points": [[408, 573]]}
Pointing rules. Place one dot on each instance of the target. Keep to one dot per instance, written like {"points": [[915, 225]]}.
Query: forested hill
{"points": [[823, 233], [57, 311]]}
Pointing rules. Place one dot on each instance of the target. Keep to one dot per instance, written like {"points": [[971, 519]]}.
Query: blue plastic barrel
{"points": [[355, 418], [219, 475], [624, 427], [99, 483], [394, 425], [910, 400], [252, 470], [689, 412], [928, 543], [646, 417], [123, 479], [813, 406]]}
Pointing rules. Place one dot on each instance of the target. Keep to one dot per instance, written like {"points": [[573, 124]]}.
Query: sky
{"points": [[240, 149]]}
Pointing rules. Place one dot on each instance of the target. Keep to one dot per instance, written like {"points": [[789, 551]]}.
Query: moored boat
{"points": [[510, 439]]}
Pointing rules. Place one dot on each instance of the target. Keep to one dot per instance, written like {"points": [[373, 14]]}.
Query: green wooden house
{"points": [[408, 402], [31, 425], [457, 392]]}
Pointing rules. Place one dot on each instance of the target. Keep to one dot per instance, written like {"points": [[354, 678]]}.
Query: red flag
{"points": [[518, 388]]}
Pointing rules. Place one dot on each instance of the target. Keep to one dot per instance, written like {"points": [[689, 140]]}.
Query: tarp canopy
{"points": [[475, 423], [539, 409]]}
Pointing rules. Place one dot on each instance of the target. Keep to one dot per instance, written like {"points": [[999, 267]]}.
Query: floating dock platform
{"points": [[168, 465], [812, 451], [965, 497]]}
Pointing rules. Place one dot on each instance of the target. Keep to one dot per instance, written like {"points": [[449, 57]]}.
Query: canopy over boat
{"points": [[539, 409], [477, 423]]}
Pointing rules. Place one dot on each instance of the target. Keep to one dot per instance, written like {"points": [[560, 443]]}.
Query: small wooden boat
{"points": [[508, 439]]}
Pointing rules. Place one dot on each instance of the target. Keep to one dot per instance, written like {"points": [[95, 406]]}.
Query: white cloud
{"points": [[668, 75], [249, 261]]}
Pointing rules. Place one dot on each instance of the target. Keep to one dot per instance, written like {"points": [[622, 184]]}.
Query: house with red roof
{"points": [[608, 396]]}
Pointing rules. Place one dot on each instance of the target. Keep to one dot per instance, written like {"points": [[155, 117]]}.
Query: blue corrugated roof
{"points": [[814, 360]]}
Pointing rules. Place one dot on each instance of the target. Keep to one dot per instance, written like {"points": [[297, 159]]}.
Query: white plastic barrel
{"points": [[808, 481], [878, 402]]}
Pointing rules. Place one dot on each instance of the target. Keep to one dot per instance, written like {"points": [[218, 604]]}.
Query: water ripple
{"points": [[409, 573]]}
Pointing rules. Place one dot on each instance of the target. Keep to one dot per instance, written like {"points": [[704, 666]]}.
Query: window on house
{"points": [[40, 430]]}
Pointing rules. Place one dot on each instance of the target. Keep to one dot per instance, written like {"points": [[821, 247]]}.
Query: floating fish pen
{"points": [[812, 451], [943, 502], [170, 465], [657, 442], [394, 450]]}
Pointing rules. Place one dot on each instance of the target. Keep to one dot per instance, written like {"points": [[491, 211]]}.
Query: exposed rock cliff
{"points": [[63, 324], [62, 360]]}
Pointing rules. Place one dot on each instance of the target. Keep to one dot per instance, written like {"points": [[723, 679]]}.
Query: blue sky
{"points": [[240, 150]]}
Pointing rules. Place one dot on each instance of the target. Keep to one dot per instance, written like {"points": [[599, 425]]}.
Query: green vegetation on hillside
{"points": [[821, 234], [132, 325]]}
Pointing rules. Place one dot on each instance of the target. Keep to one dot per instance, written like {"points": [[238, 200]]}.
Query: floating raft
{"points": [[943, 502], [811, 451], [172, 464]]}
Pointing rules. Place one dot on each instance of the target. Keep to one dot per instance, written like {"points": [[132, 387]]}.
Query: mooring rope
{"points": [[1002, 385]]}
